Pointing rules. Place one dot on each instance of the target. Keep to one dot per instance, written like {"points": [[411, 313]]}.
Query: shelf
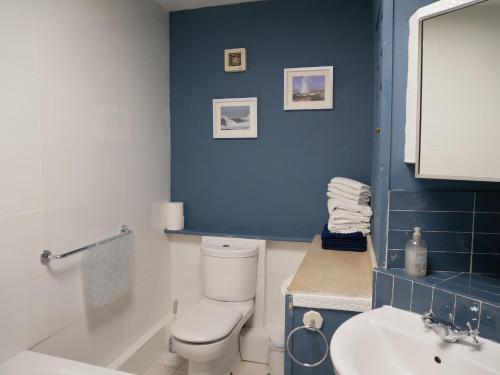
{"points": [[270, 237]]}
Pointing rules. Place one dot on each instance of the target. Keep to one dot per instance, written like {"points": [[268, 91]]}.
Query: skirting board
{"points": [[134, 348]]}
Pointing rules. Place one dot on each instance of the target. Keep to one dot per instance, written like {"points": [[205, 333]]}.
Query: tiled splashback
{"points": [[468, 297], [462, 229]]}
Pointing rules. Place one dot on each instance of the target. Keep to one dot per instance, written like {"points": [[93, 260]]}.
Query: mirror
{"points": [[458, 93]]}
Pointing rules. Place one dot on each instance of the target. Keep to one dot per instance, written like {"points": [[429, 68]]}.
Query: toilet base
{"points": [[226, 364]]}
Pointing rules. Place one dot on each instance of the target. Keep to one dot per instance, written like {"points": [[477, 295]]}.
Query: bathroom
{"points": [[187, 149]]}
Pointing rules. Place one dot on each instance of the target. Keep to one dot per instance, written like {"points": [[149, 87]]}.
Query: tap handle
{"points": [[427, 318], [474, 333]]}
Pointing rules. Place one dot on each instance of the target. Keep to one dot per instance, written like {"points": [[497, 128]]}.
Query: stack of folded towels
{"points": [[350, 214]]}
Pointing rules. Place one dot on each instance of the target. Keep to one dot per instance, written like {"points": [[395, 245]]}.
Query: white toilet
{"points": [[207, 334]]}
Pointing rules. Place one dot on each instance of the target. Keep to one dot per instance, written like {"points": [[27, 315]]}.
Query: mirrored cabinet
{"points": [[453, 98]]}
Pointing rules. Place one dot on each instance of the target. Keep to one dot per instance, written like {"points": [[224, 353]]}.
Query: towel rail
{"points": [[47, 255]]}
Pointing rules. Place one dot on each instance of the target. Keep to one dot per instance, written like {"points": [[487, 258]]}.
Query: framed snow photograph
{"points": [[235, 118]]}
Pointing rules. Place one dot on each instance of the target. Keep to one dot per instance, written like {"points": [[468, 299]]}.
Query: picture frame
{"points": [[235, 60], [235, 118], [308, 88]]}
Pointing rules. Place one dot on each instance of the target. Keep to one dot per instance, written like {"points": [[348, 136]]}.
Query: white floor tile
{"points": [[160, 370], [246, 368], [251, 368]]}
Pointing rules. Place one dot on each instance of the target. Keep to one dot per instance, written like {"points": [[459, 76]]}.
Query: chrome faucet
{"points": [[447, 330]]}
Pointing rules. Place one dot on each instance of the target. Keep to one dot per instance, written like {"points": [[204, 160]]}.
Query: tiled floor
{"points": [[158, 367]]}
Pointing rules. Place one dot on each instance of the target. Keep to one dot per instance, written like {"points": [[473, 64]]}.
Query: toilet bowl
{"points": [[207, 334]]}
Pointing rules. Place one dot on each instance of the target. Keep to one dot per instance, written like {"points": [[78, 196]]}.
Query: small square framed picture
{"points": [[308, 88], [235, 60], [235, 118]]}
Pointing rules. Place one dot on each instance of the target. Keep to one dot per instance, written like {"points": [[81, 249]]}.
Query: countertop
{"points": [[339, 280]]}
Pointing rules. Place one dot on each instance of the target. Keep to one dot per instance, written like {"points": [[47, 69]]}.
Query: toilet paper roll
{"points": [[175, 209], [175, 222]]}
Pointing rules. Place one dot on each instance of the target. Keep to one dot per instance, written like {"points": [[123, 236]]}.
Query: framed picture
{"points": [[235, 118], [308, 88], [235, 60]]}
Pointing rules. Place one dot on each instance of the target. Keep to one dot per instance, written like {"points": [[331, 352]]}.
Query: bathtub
{"points": [[31, 363]]}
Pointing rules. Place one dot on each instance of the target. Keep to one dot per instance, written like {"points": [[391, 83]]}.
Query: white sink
{"points": [[391, 341]]}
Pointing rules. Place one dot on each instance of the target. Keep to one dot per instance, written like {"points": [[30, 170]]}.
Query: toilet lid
{"points": [[206, 322]]}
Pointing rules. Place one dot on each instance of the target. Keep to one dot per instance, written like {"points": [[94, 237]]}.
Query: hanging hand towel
{"points": [[108, 270]]}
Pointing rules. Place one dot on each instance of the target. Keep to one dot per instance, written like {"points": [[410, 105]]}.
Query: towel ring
{"points": [[312, 328]]}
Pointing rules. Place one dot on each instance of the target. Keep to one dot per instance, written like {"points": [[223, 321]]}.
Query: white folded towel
{"points": [[358, 199], [353, 184], [344, 204], [340, 214], [344, 230], [349, 190], [347, 222]]}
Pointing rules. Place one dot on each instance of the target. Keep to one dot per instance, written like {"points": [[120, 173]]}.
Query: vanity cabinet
{"points": [[308, 346]]}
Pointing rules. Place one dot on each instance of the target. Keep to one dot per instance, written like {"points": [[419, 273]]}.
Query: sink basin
{"points": [[391, 341]]}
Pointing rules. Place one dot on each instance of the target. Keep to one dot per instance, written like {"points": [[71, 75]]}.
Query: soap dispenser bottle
{"points": [[416, 255]]}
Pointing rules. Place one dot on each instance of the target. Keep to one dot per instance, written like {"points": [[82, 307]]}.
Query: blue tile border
{"points": [[461, 296], [462, 229], [432, 201], [431, 221]]}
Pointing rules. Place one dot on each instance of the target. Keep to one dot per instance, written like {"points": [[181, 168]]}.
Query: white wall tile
{"points": [[76, 175], [284, 261], [18, 33], [19, 98], [186, 286], [151, 302], [22, 239], [185, 251], [75, 47], [65, 300], [84, 112], [275, 302], [21, 177], [23, 316], [73, 227]]}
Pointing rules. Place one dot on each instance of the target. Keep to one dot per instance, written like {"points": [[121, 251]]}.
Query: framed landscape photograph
{"points": [[308, 88], [235, 60], [235, 118]]}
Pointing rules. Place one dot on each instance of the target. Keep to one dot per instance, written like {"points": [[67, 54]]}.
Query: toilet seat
{"points": [[205, 323]]}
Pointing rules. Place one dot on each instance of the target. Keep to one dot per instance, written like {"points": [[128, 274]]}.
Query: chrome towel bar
{"points": [[47, 255]]}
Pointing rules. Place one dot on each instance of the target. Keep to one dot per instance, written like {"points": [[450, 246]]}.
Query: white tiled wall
{"points": [[283, 260], [84, 148]]}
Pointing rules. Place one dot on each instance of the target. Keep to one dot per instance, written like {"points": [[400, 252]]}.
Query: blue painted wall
{"points": [[273, 186], [396, 175]]}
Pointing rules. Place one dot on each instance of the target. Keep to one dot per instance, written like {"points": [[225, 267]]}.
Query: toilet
{"points": [[207, 334]]}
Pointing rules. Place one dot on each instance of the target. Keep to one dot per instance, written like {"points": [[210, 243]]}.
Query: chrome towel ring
{"points": [[312, 322]]}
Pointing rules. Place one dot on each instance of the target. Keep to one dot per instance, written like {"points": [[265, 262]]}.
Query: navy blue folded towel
{"points": [[343, 241]]}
